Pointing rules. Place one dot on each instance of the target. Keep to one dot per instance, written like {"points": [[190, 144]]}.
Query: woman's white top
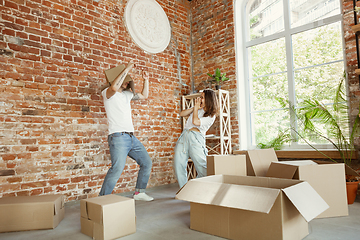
{"points": [[118, 111], [205, 122]]}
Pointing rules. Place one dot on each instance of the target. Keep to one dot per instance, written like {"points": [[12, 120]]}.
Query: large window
{"points": [[293, 51]]}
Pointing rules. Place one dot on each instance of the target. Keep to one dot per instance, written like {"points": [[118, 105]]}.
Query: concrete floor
{"points": [[167, 218]]}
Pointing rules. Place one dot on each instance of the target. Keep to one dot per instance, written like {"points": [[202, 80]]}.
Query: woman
{"points": [[191, 143]]}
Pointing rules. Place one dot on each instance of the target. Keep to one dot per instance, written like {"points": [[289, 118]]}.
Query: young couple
{"points": [[123, 143]]}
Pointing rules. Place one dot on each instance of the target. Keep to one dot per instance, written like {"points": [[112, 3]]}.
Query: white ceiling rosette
{"points": [[148, 25]]}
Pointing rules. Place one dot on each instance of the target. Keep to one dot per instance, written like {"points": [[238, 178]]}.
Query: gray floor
{"points": [[168, 218]]}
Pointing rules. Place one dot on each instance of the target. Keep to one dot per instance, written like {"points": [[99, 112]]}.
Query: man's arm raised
{"points": [[145, 92]]}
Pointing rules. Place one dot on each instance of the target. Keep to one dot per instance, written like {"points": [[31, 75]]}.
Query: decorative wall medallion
{"points": [[148, 25]]}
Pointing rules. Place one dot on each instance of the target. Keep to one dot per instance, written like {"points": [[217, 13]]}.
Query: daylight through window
{"points": [[294, 51]]}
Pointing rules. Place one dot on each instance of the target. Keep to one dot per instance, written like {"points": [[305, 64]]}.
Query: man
{"points": [[122, 142]]}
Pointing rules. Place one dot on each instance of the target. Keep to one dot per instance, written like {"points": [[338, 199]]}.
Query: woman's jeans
{"points": [[190, 144], [121, 145]]}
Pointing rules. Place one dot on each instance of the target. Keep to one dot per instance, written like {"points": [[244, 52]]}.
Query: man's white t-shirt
{"points": [[205, 122], [118, 111]]}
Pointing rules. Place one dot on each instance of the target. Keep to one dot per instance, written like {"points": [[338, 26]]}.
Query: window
{"points": [[293, 50]]}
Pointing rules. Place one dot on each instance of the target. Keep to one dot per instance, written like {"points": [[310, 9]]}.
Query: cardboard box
{"points": [[107, 217], [246, 207], [226, 164], [31, 212], [258, 161], [114, 72], [327, 178]]}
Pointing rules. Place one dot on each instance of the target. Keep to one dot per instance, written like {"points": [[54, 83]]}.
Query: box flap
{"points": [[112, 73], [279, 170], [87, 226], [306, 200], [226, 164], [261, 159], [83, 209], [58, 204], [299, 163], [244, 197], [350, 171], [30, 199]]}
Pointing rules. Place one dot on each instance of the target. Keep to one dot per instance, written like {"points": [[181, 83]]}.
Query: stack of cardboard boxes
{"points": [[107, 217], [251, 196], [254, 196]]}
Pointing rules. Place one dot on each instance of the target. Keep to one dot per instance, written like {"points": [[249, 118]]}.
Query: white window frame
{"points": [[242, 71]]}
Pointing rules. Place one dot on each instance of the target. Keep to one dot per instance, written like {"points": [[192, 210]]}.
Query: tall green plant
{"points": [[283, 137], [335, 120]]}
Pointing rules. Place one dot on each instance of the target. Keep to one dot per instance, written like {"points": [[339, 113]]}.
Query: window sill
{"points": [[305, 154]]}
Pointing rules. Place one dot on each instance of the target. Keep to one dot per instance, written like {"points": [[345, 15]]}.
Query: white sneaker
{"points": [[143, 197]]}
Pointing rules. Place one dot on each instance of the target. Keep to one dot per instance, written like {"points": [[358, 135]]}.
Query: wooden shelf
{"points": [[305, 154], [357, 71]]}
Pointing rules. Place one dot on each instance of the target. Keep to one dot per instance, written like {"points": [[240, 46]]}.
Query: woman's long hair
{"points": [[211, 103]]}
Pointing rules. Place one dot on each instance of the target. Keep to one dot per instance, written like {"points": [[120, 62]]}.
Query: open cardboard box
{"points": [[31, 212], [327, 178], [246, 207], [226, 164], [107, 217]]}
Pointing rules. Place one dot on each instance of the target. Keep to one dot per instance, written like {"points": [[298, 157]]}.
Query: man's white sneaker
{"points": [[143, 197]]}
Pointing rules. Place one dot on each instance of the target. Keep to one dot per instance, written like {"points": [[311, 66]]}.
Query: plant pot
{"points": [[351, 190], [217, 87]]}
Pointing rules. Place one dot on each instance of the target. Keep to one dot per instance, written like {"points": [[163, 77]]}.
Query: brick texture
{"points": [[53, 130], [351, 60], [213, 46]]}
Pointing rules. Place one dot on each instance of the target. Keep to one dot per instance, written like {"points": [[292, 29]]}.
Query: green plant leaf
{"points": [[217, 72]]}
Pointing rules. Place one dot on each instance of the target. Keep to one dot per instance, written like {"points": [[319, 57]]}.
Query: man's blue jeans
{"points": [[190, 144], [121, 145]]}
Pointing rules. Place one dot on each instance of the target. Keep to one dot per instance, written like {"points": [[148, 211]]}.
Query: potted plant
{"points": [[314, 117], [334, 118], [218, 78]]}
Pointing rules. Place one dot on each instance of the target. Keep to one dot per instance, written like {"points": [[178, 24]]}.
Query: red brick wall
{"points": [[213, 46], [351, 58], [53, 129], [52, 58]]}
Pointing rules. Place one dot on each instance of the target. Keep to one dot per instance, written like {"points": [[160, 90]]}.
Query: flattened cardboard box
{"points": [[31, 212], [226, 164], [107, 217], [327, 178], [246, 207]]}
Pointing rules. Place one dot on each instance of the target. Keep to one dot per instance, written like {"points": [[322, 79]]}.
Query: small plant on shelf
{"points": [[218, 78]]}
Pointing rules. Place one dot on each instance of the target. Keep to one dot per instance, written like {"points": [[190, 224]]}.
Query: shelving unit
{"points": [[356, 29], [223, 136]]}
